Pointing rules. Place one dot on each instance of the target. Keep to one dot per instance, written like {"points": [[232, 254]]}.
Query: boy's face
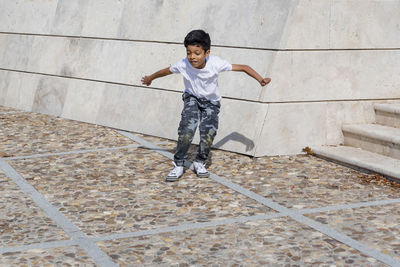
{"points": [[197, 56]]}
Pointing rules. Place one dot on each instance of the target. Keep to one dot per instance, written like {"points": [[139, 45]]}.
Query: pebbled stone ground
{"points": [[118, 199], [259, 243]]}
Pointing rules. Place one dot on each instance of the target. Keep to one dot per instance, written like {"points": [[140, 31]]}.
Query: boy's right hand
{"points": [[265, 81], [146, 80]]}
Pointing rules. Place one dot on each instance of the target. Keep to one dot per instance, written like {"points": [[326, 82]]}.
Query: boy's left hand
{"points": [[265, 81], [146, 80]]}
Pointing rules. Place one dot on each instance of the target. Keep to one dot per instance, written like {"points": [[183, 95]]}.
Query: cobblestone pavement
{"points": [[78, 194]]}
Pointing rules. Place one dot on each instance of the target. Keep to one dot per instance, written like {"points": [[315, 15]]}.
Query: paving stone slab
{"points": [[21, 221], [125, 191], [299, 181], [63, 256], [33, 133], [377, 227], [276, 242]]}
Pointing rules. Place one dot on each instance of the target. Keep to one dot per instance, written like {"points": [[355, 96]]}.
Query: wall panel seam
{"points": [[213, 45]]}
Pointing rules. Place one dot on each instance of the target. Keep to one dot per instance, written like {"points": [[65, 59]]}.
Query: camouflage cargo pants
{"points": [[196, 112]]}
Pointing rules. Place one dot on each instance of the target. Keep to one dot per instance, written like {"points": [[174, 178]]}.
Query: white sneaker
{"points": [[200, 169], [175, 173]]}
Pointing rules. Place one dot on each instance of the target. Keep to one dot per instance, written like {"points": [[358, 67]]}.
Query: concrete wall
{"points": [[330, 61]]}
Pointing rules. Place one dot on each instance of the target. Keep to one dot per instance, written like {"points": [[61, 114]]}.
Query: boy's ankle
{"points": [[179, 163]]}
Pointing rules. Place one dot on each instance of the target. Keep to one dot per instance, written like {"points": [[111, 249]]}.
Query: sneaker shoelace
{"points": [[200, 168], [175, 170]]}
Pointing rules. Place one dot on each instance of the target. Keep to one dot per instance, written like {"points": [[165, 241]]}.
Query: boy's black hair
{"points": [[198, 37]]}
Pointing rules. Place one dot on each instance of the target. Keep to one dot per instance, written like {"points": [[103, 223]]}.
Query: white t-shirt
{"points": [[202, 83]]}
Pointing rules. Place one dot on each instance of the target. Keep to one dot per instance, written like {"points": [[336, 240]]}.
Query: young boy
{"points": [[201, 98]]}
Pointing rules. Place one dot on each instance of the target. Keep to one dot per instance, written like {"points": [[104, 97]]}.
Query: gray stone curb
{"points": [[361, 159], [376, 132], [388, 108], [10, 112]]}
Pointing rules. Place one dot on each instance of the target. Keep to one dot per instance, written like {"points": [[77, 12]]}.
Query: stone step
{"points": [[388, 114], [362, 159], [376, 138]]}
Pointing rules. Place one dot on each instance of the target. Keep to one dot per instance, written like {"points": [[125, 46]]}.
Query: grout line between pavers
{"points": [[350, 206], [147, 144], [295, 215], [168, 229], [82, 151], [191, 226], [43, 245], [101, 258]]}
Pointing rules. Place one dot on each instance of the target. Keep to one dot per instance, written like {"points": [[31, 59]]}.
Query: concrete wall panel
{"points": [[27, 16], [240, 126], [290, 127], [337, 75], [4, 81], [55, 56], [308, 25], [69, 17], [83, 100], [17, 52], [365, 24], [21, 90], [103, 18], [50, 95], [238, 84], [253, 23], [3, 43], [342, 24], [141, 110]]}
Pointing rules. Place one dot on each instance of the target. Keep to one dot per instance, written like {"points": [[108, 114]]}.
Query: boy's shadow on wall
{"points": [[235, 136]]}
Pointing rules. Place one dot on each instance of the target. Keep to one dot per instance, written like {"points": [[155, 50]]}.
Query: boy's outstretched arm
{"points": [[146, 80], [252, 73]]}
